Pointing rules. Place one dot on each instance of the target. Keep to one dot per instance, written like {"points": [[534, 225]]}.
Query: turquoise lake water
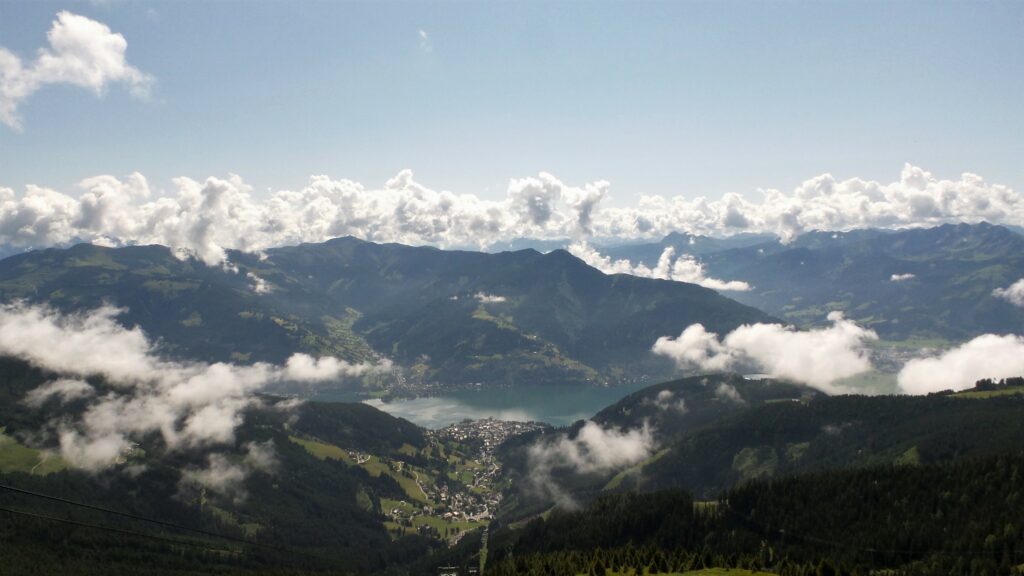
{"points": [[557, 406]]}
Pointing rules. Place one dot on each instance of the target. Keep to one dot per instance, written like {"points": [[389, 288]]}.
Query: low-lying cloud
{"points": [[486, 298], [987, 356], [726, 391], [80, 52], [818, 357], [594, 450], [685, 268], [225, 475], [190, 404], [1014, 293], [901, 277], [666, 401], [205, 217]]}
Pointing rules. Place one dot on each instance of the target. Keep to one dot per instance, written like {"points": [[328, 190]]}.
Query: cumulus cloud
{"points": [[666, 401], [80, 52], [594, 450], [203, 218], [190, 404], [1013, 294], [901, 277], [697, 348], [987, 356], [486, 298], [685, 268], [817, 357], [304, 368]]}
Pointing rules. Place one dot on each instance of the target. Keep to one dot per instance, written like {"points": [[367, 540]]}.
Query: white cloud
{"points": [[696, 348], [901, 277], [666, 401], [1013, 294], [593, 450], [66, 389], [729, 392], [225, 475], [190, 404], [817, 357], [685, 268], [305, 368], [485, 298], [987, 356], [81, 52], [203, 218], [259, 285], [426, 45]]}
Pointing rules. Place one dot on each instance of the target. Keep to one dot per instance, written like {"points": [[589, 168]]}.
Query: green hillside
{"points": [[952, 518], [445, 316]]}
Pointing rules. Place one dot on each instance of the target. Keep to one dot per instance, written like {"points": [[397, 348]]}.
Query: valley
{"points": [[374, 461], [527, 288]]}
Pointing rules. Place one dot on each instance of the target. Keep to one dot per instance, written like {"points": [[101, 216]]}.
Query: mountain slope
{"points": [[713, 432], [448, 316], [297, 510], [960, 518], [953, 270]]}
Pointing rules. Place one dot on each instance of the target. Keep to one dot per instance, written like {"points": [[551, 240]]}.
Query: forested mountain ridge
{"points": [[713, 432], [299, 487], [914, 283], [448, 316], [952, 518]]}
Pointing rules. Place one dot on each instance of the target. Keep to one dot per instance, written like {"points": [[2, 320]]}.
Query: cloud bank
{"points": [[685, 268], [987, 356], [190, 404], [203, 218], [80, 52], [818, 358]]}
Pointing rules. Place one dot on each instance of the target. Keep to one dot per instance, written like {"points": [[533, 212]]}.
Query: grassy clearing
{"points": [[439, 524], [982, 394], [708, 506], [321, 450], [373, 465], [16, 457]]}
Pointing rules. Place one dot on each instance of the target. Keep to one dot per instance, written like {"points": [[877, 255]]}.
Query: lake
{"points": [[557, 406]]}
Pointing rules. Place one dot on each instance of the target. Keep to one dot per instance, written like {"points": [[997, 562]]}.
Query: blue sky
{"points": [[657, 98]]}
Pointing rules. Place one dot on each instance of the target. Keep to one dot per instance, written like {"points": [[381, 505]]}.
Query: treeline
{"points": [[832, 432], [965, 518], [988, 384]]}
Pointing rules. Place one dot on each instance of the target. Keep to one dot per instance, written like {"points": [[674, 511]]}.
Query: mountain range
{"points": [[922, 283], [445, 316]]}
